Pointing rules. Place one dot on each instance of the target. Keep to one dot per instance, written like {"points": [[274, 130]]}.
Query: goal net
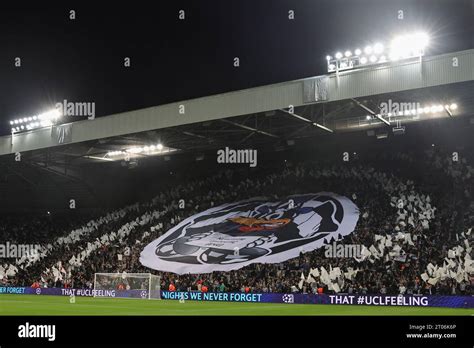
{"points": [[145, 285]]}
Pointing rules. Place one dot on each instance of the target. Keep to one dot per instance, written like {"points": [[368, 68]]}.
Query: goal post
{"points": [[147, 284]]}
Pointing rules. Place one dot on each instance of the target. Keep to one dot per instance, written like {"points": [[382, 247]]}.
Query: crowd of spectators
{"points": [[423, 203]]}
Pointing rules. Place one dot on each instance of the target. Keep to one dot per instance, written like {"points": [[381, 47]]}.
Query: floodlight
{"points": [[453, 106], [328, 57], [159, 147], [378, 48], [373, 59], [338, 55], [406, 46], [348, 54], [420, 40], [358, 52], [368, 50], [363, 60]]}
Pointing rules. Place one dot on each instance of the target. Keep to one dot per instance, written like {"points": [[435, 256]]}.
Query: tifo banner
{"points": [[346, 299], [231, 236]]}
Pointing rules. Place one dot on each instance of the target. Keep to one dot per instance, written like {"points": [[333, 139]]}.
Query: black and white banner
{"points": [[231, 236]]}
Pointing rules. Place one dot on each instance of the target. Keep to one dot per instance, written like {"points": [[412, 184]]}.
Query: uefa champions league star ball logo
{"points": [[231, 236], [143, 294], [38, 291], [288, 298]]}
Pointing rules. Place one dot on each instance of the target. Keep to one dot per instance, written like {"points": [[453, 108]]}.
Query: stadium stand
{"points": [[416, 232]]}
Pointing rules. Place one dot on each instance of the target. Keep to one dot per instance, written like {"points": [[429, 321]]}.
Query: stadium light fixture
{"points": [[147, 149], [378, 48], [45, 119], [401, 47]]}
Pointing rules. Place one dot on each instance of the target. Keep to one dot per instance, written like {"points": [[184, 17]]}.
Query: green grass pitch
{"points": [[29, 305]]}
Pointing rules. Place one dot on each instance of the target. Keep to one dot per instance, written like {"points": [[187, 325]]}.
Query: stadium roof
{"points": [[50, 173], [403, 80]]}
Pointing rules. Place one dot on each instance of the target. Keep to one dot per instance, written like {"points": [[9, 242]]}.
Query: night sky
{"points": [[81, 60]]}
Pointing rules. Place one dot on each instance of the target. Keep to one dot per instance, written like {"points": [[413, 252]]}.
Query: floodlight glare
{"points": [[407, 46], [401, 47], [453, 106], [378, 48], [420, 40], [159, 147]]}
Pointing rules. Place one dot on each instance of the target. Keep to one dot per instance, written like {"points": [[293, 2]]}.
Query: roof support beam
{"points": [[250, 128]]}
